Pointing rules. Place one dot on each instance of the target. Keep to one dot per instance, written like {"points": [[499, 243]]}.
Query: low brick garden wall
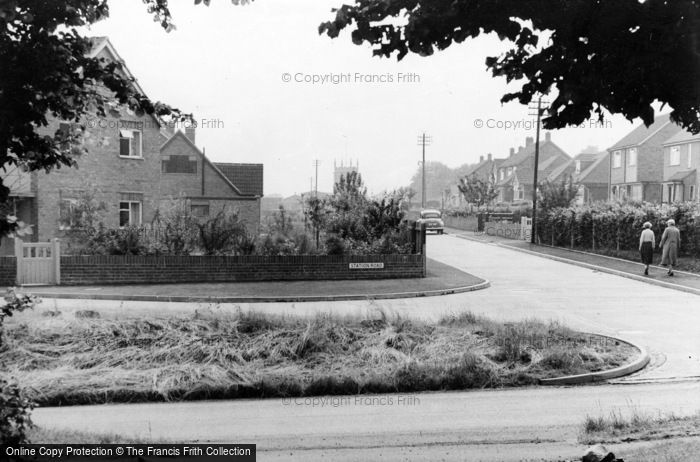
{"points": [[88, 270]]}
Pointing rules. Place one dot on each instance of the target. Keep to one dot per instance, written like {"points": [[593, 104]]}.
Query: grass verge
{"points": [[40, 435], [77, 359], [619, 427], [656, 437]]}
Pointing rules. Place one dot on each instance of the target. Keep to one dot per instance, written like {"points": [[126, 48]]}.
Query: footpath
{"points": [[441, 279], [683, 281]]}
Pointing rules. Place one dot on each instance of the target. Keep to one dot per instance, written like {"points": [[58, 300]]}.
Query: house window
{"points": [[675, 156], [67, 213], [691, 193], [671, 193], [503, 174], [519, 193], [578, 166], [200, 210], [179, 164], [632, 157], [129, 213], [130, 143], [617, 159]]}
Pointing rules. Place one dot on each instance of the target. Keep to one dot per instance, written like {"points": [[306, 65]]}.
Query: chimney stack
{"points": [[529, 140], [512, 151], [481, 159], [490, 157], [189, 133], [548, 136]]}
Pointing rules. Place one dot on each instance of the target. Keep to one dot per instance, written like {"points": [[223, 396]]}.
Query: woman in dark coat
{"points": [[671, 244], [647, 241]]}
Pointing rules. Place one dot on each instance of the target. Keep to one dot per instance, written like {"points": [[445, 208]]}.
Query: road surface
{"points": [[515, 424]]}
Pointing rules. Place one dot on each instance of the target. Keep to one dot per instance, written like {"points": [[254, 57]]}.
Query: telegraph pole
{"points": [[316, 163], [423, 141], [538, 111]]}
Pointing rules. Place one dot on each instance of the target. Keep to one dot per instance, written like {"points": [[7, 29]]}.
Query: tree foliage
{"points": [[593, 55], [46, 72], [551, 195], [476, 190]]}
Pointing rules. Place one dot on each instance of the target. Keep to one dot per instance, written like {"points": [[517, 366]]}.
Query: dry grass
{"points": [[637, 425], [84, 359]]}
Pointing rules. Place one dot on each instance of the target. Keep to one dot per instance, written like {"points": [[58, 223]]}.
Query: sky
{"points": [[266, 88]]}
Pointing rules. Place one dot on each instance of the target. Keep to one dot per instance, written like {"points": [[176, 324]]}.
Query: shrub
{"points": [[14, 304], [175, 229], [224, 233], [15, 409], [615, 226]]}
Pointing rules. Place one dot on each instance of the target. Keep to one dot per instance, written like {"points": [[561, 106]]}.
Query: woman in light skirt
{"points": [[671, 245], [647, 241]]}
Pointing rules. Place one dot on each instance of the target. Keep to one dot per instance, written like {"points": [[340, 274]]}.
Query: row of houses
{"points": [[134, 165], [658, 164]]}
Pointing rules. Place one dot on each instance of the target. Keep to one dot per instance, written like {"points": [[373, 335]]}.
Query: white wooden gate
{"points": [[525, 228], [38, 263]]}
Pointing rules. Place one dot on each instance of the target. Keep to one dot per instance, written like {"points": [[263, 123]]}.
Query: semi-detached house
{"points": [[133, 166], [637, 162]]}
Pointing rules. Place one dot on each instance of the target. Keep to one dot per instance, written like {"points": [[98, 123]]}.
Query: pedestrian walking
{"points": [[671, 245], [647, 241]]}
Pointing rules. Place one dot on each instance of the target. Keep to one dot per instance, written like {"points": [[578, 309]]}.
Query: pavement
{"points": [[498, 425], [441, 279], [681, 280]]}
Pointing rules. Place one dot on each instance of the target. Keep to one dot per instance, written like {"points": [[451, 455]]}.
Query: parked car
{"points": [[433, 220]]}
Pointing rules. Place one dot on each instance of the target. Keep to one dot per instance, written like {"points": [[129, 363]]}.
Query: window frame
{"points": [[128, 209], [617, 159], [72, 202], [674, 154], [132, 130], [632, 157], [200, 206]]}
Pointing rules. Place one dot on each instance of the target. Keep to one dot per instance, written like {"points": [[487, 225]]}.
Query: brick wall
{"points": [[83, 270], [8, 271], [103, 172]]}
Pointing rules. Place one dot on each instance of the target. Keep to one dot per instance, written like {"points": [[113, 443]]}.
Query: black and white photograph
{"points": [[350, 230]]}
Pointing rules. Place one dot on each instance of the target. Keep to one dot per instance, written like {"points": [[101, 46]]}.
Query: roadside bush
{"points": [[15, 409], [615, 226]]}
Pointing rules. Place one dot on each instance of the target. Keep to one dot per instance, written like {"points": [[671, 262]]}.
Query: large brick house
{"points": [[589, 170], [681, 164], [134, 163], [515, 178], [637, 161]]}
